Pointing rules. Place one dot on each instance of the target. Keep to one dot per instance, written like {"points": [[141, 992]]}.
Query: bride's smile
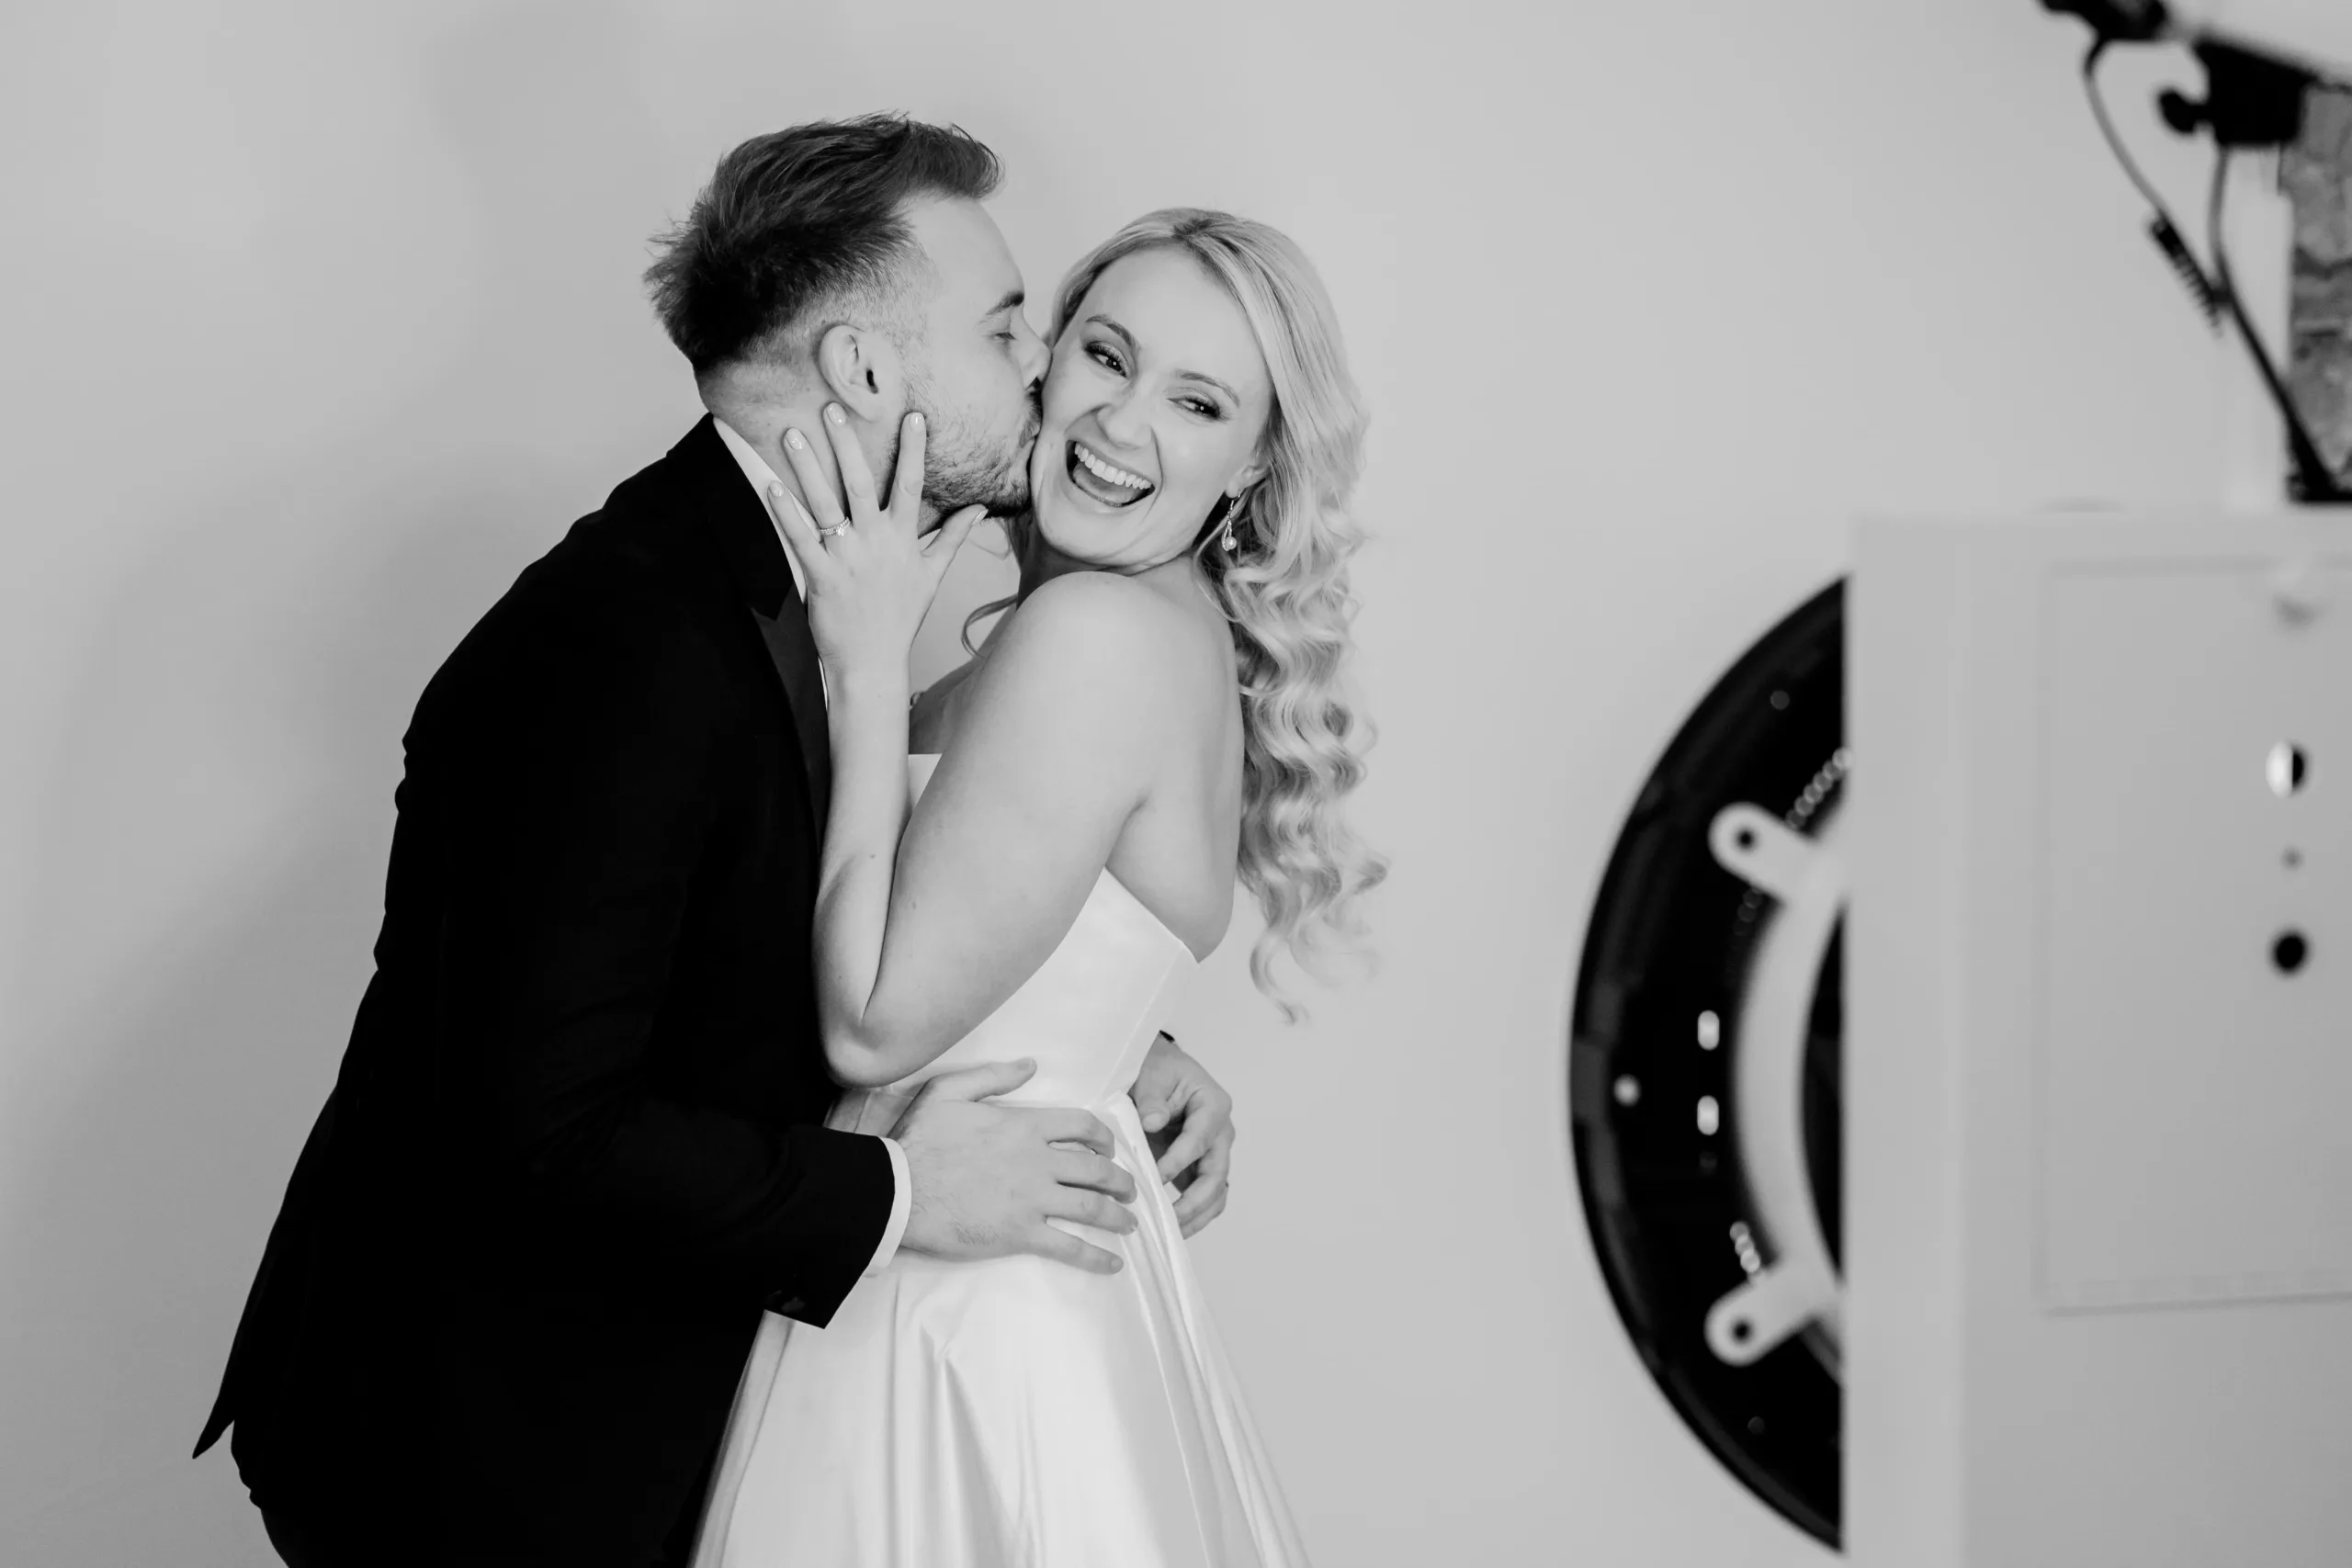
{"points": [[1099, 480]]}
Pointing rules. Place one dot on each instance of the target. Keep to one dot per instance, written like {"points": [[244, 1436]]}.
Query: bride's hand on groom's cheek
{"points": [[1188, 1119], [871, 575]]}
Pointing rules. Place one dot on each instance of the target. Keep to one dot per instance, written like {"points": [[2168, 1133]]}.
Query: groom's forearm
{"points": [[660, 1191], [608, 1178]]}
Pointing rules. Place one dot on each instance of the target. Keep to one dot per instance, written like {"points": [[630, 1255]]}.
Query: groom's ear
{"points": [[860, 369]]}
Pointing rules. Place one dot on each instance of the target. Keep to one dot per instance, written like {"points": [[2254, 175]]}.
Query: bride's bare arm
{"points": [[1056, 748], [922, 934]]}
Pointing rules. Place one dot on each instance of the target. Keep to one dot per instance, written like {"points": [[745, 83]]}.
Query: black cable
{"points": [[2313, 482], [2161, 228]]}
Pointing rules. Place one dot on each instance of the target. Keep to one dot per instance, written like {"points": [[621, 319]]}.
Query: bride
{"points": [[1029, 860]]}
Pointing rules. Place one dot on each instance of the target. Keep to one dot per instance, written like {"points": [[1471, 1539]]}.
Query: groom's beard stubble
{"points": [[963, 469]]}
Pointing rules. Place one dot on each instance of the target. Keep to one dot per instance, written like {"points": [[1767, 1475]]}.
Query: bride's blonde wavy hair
{"points": [[1284, 588]]}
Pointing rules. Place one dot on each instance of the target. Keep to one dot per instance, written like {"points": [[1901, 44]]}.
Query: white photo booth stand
{"points": [[2098, 1266]]}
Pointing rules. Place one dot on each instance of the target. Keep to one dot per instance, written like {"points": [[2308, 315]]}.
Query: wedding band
{"points": [[828, 533]]}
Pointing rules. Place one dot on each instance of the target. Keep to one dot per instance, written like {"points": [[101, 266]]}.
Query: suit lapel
{"points": [[717, 492], [793, 651]]}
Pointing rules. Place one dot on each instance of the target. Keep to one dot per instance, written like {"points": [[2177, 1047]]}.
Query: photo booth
{"points": [[1962, 1147]]}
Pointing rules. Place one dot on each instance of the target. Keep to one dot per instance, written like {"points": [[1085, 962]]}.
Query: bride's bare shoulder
{"points": [[1098, 634]]}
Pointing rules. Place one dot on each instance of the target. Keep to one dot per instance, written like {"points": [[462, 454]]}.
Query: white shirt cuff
{"points": [[901, 1200]]}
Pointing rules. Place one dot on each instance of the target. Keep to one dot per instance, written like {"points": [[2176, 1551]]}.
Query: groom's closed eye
{"points": [[1005, 313]]}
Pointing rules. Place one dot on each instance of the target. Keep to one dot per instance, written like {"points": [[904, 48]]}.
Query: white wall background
{"points": [[321, 320]]}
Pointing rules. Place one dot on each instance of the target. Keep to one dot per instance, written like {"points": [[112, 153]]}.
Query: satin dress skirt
{"points": [[1017, 1413]]}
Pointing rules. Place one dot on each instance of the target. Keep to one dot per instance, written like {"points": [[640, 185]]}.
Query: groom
{"points": [[576, 1144]]}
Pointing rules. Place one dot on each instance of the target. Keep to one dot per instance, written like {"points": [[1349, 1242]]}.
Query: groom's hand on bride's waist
{"points": [[986, 1177]]}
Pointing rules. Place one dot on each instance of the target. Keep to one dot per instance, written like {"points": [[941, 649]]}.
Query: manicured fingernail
{"points": [[795, 440], [914, 421], [833, 413]]}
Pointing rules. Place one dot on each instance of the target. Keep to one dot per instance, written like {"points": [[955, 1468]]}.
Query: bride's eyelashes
{"points": [[1106, 355]]}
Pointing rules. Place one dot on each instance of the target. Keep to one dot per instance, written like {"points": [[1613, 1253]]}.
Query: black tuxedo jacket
{"points": [[575, 1145]]}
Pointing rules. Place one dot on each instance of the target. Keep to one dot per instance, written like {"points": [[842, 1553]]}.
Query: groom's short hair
{"points": [[801, 217]]}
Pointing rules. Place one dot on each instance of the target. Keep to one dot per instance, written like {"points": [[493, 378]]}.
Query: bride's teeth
{"points": [[1109, 474]]}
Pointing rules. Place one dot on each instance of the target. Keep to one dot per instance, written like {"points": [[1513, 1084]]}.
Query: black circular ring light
{"points": [[1704, 1079]]}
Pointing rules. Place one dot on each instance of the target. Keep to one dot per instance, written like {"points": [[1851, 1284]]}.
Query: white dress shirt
{"points": [[764, 478]]}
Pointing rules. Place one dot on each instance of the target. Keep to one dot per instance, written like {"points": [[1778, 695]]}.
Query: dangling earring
{"points": [[1232, 505]]}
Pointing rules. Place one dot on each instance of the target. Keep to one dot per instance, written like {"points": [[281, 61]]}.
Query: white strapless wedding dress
{"points": [[1015, 1412]]}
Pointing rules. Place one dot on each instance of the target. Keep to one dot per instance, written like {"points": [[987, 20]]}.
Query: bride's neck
{"points": [[1041, 563]]}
